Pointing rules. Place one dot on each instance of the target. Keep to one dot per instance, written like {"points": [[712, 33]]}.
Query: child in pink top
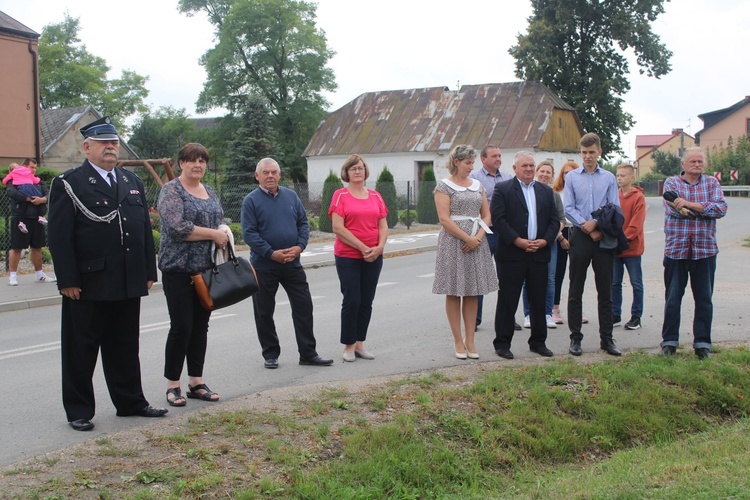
{"points": [[24, 180]]}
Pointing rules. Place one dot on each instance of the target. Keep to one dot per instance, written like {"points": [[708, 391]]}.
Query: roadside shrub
{"points": [[46, 255], [412, 217], [157, 239], [331, 184], [236, 229], [426, 209], [387, 189], [314, 226]]}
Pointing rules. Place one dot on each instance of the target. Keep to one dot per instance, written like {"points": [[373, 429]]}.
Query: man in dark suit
{"points": [[525, 218], [103, 251]]}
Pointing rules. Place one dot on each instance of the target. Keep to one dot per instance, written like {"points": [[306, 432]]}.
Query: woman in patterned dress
{"points": [[463, 265]]}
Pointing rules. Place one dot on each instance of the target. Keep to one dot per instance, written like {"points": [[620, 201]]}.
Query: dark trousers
{"points": [[562, 264], [676, 273], [359, 281], [511, 276], [584, 252], [492, 242], [294, 281], [109, 326], [188, 328]]}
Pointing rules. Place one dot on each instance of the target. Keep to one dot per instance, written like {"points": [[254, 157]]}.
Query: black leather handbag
{"points": [[225, 284]]}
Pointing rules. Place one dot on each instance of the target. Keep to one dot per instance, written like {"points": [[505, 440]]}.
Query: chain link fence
{"points": [[231, 197]]}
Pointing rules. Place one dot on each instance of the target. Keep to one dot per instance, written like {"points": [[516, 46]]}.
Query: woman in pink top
{"points": [[359, 222]]}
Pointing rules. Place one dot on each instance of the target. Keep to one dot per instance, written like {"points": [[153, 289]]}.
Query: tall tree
{"points": [[666, 163], [162, 133], [252, 140], [69, 75], [271, 48], [577, 47]]}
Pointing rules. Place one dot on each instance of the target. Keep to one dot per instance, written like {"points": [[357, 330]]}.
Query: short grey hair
{"points": [[692, 149], [265, 161], [522, 153]]}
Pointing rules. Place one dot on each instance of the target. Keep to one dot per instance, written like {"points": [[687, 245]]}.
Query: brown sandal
{"points": [[178, 399]]}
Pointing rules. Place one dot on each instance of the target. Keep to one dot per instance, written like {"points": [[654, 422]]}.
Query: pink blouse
{"points": [[361, 217]]}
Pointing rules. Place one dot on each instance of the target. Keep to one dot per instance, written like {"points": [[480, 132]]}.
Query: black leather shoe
{"points": [[668, 350], [575, 348], [609, 346], [271, 363], [504, 352], [82, 424], [541, 350], [703, 352], [150, 411], [316, 361], [517, 327]]}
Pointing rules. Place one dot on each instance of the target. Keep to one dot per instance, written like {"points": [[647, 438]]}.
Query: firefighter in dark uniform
{"points": [[103, 251]]}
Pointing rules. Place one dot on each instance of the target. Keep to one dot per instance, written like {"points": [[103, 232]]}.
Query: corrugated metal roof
{"points": [[509, 115]]}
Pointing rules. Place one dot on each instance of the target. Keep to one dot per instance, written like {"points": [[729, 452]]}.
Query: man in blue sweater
{"points": [[274, 224]]}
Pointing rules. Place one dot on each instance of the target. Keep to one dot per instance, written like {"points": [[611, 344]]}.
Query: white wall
{"points": [[403, 166]]}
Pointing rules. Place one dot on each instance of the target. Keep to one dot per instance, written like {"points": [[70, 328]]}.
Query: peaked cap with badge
{"points": [[100, 130]]}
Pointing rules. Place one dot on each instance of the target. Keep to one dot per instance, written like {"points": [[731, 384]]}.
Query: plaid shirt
{"points": [[693, 238]]}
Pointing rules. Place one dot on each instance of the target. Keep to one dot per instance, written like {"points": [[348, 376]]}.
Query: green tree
{"points": [[252, 141], [69, 75], [331, 184], [735, 156], [577, 48], [426, 210], [666, 163], [162, 133], [274, 49], [387, 189]]}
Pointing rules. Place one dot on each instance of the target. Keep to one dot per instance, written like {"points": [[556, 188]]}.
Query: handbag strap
{"points": [[215, 249]]}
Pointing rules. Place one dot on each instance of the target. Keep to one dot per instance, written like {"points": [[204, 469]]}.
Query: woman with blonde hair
{"points": [[463, 264]]}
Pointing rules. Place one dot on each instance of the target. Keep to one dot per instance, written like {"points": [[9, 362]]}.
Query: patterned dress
{"points": [[458, 273]]}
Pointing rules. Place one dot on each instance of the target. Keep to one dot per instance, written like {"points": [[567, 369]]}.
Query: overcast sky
{"points": [[390, 44]]}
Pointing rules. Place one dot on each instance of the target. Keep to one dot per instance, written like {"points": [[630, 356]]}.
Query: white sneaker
{"points": [[526, 322], [43, 278], [551, 322], [13, 281]]}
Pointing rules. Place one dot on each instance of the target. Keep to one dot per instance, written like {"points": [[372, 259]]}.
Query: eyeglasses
{"points": [[356, 169]]}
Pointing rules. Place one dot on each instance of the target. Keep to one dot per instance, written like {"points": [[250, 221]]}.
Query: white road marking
{"points": [[53, 346]]}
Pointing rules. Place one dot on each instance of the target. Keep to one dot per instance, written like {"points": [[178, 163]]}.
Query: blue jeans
{"points": [[701, 273], [635, 273], [359, 281], [492, 242], [551, 271]]}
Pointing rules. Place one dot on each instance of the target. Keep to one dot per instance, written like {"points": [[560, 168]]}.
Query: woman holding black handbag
{"points": [[190, 216]]}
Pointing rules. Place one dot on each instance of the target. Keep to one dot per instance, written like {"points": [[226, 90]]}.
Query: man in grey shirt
{"points": [[489, 175]]}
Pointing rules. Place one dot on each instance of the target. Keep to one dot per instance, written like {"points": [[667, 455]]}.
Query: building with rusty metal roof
{"points": [[411, 130]]}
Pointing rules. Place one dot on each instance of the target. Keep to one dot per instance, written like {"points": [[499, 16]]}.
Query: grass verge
{"points": [[639, 427]]}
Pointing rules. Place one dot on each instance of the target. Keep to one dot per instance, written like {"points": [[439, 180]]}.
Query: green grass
{"points": [[641, 426]]}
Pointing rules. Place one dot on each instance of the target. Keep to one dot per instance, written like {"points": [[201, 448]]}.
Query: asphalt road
{"points": [[409, 333]]}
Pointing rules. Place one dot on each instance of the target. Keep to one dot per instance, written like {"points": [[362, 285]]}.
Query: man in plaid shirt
{"points": [[690, 250]]}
